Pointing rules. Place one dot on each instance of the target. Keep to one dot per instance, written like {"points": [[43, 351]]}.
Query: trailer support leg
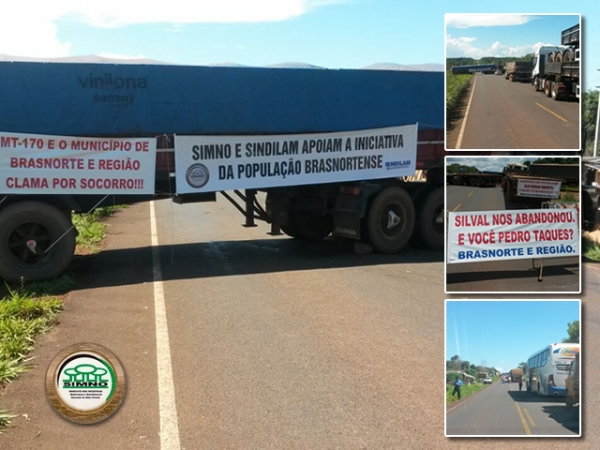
{"points": [[540, 279], [250, 199]]}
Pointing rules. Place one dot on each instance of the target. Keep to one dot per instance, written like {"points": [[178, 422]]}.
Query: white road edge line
{"points": [[464, 123], [169, 427]]}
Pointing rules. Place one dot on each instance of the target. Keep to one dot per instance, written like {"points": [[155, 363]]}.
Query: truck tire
{"points": [[510, 196], [430, 229], [309, 225], [536, 84], [568, 402], [27, 229], [554, 91], [290, 230], [548, 88], [391, 220]]}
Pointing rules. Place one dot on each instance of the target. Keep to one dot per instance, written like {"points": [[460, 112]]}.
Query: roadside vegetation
{"points": [[471, 375], [465, 391], [591, 249], [29, 310], [456, 88], [91, 228]]}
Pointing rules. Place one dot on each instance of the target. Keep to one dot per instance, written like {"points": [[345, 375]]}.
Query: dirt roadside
{"points": [[109, 307]]}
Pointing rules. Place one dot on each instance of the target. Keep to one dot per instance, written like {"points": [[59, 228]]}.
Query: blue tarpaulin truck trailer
{"points": [[163, 101]]}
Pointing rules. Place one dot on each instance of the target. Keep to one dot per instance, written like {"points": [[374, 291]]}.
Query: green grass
{"points": [[591, 249], [465, 391], [22, 317], [456, 87], [91, 228], [5, 420], [568, 197]]}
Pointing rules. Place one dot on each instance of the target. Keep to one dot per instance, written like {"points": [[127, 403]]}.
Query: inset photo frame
{"points": [[513, 82], [513, 224], [513, 368]]}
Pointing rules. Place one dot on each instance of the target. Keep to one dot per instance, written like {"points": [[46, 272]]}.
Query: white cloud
{"points": [[485, 20], [119, 56], [29, 27], [464, 47]]}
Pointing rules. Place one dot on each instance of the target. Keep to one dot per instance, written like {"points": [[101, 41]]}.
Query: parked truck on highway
{"points": [[518, 71], [516, 375], [556, 68], [537, 183], [590, 194], [328, 149], [480, 179]]}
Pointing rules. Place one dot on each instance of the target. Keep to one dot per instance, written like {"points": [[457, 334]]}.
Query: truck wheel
{"points": [[554, 89], [290, 230], [568, 56], [27, 230], [391, 220], [431, 220], [536, 84], [310, 226], [508, 192], [548, 88], [512, 79]]}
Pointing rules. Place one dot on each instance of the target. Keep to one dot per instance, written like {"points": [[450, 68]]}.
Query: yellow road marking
{"points": [[552, 112], [529, 417], [458, 206], [527, 430], [471, 193]]}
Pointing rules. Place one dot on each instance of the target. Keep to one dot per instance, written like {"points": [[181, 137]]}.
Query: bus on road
{"points": [[547, 369]]}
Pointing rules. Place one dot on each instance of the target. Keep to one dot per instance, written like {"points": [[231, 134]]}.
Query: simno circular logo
{"points": [[197, 175], [85, 383]]}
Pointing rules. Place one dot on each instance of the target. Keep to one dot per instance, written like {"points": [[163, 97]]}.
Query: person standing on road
{"points": [[520, 383], [457, 386]]}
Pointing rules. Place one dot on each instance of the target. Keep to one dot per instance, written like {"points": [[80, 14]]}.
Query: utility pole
{"points": [[597, 124]]}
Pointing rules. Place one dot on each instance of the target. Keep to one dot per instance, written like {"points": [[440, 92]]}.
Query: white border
{"points": [[581, 64], [446, 230], [500, 436]]}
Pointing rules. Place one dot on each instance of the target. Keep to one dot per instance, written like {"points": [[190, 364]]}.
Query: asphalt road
{"points": [[279, 344], [506, 115], [518, 275], [501, 410]]}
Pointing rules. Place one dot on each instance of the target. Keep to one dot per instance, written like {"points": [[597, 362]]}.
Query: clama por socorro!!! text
{"points": [[47, 164], [504, 235]]}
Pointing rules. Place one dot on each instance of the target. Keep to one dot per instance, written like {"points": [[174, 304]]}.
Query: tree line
{"points": [[496, 60]]}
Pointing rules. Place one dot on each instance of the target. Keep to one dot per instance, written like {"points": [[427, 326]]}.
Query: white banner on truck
{"points": [[219, 163], [504, 235], [538, 188], [41, 164]]}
